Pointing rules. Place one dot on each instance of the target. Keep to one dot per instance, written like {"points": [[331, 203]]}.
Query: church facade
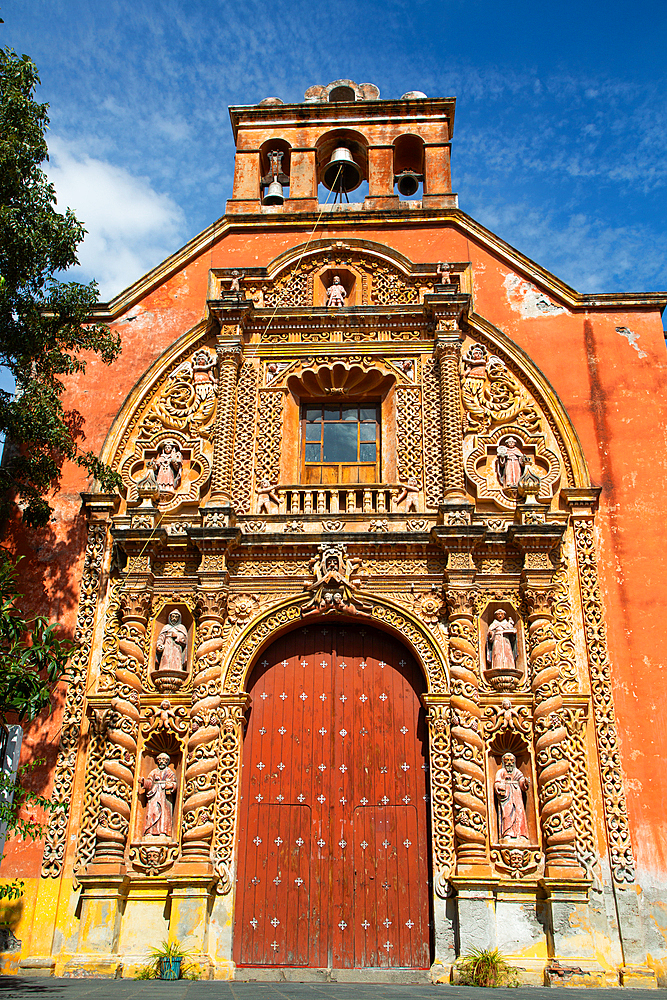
{"points": [[369, 641]]}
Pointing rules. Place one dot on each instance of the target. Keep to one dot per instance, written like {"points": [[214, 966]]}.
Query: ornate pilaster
{"points": [[226, 805], [442, 819], [583, 504], [448, 352], [122, 732], [230, 355], [54, 849], [538, 542]]}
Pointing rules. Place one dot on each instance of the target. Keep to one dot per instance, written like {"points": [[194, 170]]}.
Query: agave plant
{"points": [[483, 967]]}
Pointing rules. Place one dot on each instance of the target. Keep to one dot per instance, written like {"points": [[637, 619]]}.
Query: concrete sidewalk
{"points": [[131, 989]]}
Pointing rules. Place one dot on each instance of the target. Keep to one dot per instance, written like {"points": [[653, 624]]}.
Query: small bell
{"points": [[341, 172], [274, 194], [408, 183]]}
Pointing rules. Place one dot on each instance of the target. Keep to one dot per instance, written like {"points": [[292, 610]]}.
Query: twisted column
{"points": [[230, 356], [468, 766], [201, 769], [123, 731], [447, 352], [551, 738]]}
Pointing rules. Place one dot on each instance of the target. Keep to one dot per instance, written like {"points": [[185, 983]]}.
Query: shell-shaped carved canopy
{"points": [[340, 379]]}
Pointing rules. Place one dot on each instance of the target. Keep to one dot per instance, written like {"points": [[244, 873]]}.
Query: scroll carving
{"points": [[54, 849], [492, 395], [123, 733], [409, 435], [231, 738], [269, 423], [551, 737], [442, 818], [432, 434], [467, 744], [595, 631], [202, 749], [576, 719], [244, 443]]}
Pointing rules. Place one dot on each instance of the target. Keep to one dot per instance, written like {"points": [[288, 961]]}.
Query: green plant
{"points": [[168, 952], [483, 967]]}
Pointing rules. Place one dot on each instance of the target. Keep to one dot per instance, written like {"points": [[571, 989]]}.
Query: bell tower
{"points": [[340, 136]]}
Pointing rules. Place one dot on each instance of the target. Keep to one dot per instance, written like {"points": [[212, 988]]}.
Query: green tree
{"points": [[34, 657], [44, 321]]}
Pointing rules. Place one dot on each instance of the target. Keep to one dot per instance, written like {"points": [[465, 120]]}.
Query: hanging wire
{"points": [[305, 251]]}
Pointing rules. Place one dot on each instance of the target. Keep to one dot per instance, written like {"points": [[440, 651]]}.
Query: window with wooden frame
{"points": [[340, 443]]}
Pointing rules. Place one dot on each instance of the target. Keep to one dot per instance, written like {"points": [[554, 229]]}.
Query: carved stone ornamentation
{"points": [[447, 351], [432, 417], [595, 632], [244, 441], [492, 395], [229, 753], [333, 587], [54, 848], [202, 748], [467, 744], [442, 816], [230, 356], [497, 463], [551, 737], [518, 862], [153, 859], [269, 429]]}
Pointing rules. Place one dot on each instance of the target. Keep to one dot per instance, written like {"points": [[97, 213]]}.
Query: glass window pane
{"points": [[368, 413], [340, 442], [367, 431], [314, 414], [313, 432], [350, 413], [367, 453], [312, 453], [332, 412]]}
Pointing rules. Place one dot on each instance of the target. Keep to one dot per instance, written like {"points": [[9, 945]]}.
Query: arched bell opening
{"points": [[333, 841], [274, 162], [342, 161], [409, 166]]}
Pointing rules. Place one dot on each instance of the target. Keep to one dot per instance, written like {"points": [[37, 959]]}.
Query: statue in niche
{"points": [[510, 463], [502, 647], [443, 273], [159, 785], [509, 785], [336, 293], [169, 464], [172, 644], [235, 284]]}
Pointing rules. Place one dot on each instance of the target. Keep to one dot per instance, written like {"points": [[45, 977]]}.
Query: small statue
{"points": [[160, 783], [408, 492], [502, 648], [510, 463], [172, 644], [236, 279], [443, 271], [265, 495], [169, 464], [511, 717], [336, 293], [202, 374], [509, 784]]}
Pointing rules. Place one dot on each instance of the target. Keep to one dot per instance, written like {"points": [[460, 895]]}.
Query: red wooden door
{"points": [[333, 845]]}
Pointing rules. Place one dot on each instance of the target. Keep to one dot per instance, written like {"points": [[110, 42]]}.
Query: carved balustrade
{"points": [[366, 499]]}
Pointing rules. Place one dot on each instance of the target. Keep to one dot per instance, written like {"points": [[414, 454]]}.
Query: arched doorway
{"points": [[333, 833]]}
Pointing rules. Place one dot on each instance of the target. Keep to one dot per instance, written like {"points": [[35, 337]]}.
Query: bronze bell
{"points": [[408, 182], [341, 172], [274, 194]]}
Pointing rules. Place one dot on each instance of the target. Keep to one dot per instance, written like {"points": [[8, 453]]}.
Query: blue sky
{"points": [[560, 142]]}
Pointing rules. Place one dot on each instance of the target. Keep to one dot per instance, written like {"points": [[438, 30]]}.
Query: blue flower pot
{"points": [[170, 968]]}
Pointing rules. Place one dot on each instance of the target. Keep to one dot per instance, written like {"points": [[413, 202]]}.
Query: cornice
{"points": [[342, 114], [575, 301]]}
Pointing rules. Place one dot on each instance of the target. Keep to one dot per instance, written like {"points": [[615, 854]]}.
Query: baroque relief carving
{"points": [[269, 425], [244, 441], [442, 817], [595, 631], [432, 434], [492, 395], [54, 848]]}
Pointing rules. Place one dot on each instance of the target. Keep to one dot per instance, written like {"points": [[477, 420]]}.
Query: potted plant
{"points": [[168, 959]]}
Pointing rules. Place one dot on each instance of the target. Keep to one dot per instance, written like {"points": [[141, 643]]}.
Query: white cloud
{"points": [[131, 227]]}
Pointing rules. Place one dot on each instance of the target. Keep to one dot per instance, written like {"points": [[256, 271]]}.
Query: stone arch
{"points": [[383, 614]]}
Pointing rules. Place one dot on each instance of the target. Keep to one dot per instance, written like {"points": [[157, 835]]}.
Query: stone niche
{"points": [[170, 668], [502, 680], [152, 852]]}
